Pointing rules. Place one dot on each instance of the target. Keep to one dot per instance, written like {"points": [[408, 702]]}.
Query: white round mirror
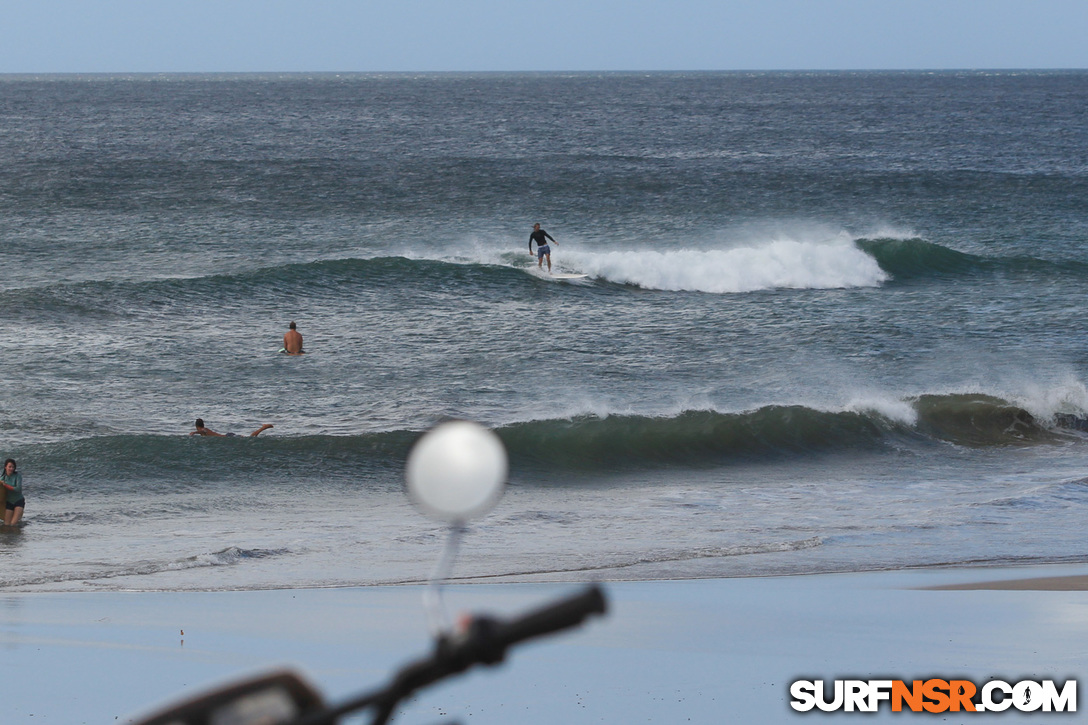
{"points": [[456, 471]]}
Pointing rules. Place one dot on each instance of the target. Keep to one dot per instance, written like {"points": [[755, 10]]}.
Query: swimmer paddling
{"points": [[201, 430]]}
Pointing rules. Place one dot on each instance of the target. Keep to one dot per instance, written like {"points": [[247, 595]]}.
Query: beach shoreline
{"points": [[1068, 583], [667, 651]]}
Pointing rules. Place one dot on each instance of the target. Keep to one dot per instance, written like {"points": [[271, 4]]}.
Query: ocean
{"points": [[831, 322]]}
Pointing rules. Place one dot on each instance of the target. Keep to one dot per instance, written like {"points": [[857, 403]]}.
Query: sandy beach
{"points": [[701, 651], [1073, 583]]}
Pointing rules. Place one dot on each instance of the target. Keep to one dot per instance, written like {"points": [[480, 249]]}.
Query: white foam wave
{"points": [[781, 264], [1067, 397], [885, 231], [895, 410]]}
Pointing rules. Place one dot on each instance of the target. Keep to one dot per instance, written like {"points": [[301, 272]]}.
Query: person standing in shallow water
{"points": [[541, 238], [292, 341], [12, 482]]}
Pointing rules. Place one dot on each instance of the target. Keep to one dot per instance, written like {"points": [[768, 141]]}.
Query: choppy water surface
{"points": [[832, 321]]}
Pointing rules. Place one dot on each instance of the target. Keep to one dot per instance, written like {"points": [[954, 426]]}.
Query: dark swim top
{"points": [[540, 237]]}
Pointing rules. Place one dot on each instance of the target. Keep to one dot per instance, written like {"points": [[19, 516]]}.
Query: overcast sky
{"points": [[121, 36]]}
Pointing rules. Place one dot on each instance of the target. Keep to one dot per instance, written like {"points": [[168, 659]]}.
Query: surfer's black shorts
{"points": [[541, 251], [12, 505]]}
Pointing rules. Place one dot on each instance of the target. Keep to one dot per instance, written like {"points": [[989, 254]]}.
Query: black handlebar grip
{"points": [[552, 618], [485, 641]]}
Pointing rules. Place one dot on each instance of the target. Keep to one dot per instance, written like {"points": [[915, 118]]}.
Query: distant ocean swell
{"points": [[692, 438], [772, 265]]}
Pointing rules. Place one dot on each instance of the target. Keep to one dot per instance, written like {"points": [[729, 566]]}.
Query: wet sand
{"points": [[700, 651]]}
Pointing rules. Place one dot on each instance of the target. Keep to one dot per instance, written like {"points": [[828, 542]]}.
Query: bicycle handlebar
{"points": [[562, 614], [283, 697], [484, 641]]}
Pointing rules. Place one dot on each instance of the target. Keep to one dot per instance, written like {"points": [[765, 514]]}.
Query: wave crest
{"points": [[606, 442], [784, 264], [909, 259]]}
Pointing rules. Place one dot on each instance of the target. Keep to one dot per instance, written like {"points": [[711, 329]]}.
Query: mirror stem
{"points": [[432, 595]]}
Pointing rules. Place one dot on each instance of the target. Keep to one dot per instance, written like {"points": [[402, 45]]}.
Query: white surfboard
{"points": [[544, 274]]}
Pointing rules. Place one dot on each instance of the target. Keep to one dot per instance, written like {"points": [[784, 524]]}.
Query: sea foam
{"points": [[779, 264]]}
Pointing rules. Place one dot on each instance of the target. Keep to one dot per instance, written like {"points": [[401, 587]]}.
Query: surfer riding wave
{"points": [[541, 238]]}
